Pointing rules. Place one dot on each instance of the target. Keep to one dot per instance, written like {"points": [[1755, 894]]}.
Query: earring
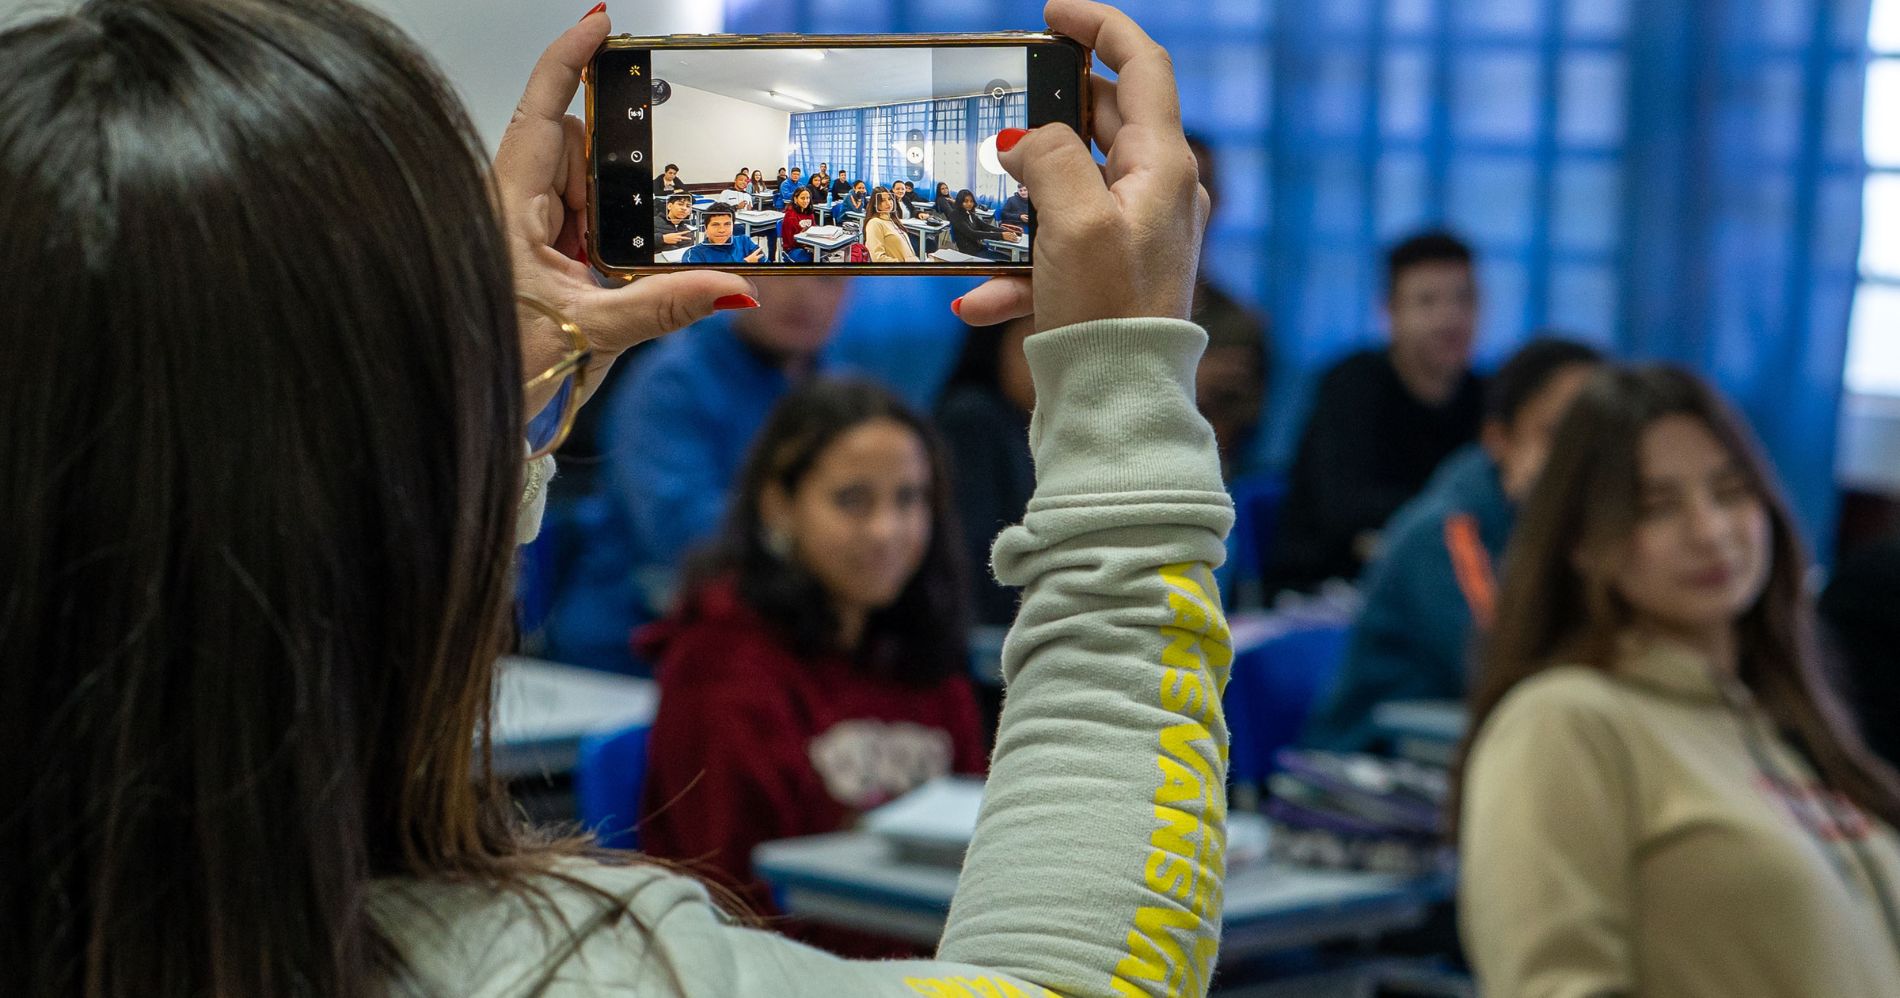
{"points": [[778, 542]]}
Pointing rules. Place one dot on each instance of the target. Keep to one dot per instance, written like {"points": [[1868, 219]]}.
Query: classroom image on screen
{"points": [[838, 156]]}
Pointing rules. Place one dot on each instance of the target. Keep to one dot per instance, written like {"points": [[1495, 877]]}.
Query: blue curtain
{"points": [[1673, 179]]}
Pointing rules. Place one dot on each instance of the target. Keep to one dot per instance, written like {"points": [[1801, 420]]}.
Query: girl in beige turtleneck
{"points": [[1660, 796]]}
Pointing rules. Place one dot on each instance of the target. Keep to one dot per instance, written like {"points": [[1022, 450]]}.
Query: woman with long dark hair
{"points": [[798, 217], [968, 229], [815, 667], [1661, 794], [884, 234], [264, 407]]}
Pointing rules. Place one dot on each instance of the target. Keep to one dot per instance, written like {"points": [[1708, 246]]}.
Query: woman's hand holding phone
{"points": [[541, 176], [1115, 241]]}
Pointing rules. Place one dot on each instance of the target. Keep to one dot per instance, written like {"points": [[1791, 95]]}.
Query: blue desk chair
{"points": [[608, 779], [1272, 690]]}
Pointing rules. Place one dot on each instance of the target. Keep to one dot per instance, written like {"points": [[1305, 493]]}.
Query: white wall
{"points": [[711, 136], [486, 47]]}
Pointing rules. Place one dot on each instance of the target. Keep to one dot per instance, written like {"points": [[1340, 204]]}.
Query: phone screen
{"points": [[729, 155]]}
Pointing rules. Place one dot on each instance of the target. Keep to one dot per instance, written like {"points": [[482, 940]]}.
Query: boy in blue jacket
{"points": [[722, 245], [1436, 577]]}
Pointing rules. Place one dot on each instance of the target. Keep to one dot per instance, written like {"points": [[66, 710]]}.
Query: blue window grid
{"points": [[870, 140]]}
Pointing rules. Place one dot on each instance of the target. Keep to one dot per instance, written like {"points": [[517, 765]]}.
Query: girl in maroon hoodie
{"points": [[816, 664], [799, 216]]}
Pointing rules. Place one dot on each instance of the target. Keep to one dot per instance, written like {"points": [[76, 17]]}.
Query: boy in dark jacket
{"points": [[1437, 576]]}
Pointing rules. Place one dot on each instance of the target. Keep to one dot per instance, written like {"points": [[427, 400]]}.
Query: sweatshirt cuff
{"points": [[534, 499], [1115, 409]]}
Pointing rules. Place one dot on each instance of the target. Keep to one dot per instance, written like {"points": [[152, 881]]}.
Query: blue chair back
{"points": [[1257, 502], [608, 780], [1272, 690]]}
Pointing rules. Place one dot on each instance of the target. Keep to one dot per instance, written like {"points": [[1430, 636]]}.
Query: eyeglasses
{"points": [[550, 427]]}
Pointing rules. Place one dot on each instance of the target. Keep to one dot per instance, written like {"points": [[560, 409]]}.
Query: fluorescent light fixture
{"points": [[799, 102]]}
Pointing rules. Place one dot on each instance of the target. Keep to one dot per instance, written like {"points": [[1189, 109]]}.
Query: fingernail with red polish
{"points": [[1008, 137], [732, 302], [957, 307], [597, 8]]}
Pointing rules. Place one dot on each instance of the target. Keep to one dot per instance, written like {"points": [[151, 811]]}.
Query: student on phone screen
{"points": [[722, 244], [262, 498], [798, 217], [884, 235], [674, 227], [968, 229]]}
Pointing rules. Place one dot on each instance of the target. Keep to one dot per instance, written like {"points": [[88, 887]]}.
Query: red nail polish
{"points": [[956, 307], [597, 8], [1008, 137], [732, 302]]}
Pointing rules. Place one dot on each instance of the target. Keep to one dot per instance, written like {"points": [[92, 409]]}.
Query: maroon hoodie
{"points": [[754, 742]]}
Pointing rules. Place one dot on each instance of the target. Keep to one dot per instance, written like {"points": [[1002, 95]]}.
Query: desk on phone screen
{"points": [[923, 230], [1015, 252], [819, 247]]}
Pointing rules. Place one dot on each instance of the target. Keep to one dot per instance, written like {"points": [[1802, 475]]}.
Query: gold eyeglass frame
{"points": [[573, 364]]}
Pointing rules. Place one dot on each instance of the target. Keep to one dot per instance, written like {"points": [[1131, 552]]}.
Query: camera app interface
{"points": [[820, 156]]}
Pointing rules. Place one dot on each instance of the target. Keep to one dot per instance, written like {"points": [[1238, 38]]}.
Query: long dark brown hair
{"points": [[1558, 605], [262, 452], [918, 639]]}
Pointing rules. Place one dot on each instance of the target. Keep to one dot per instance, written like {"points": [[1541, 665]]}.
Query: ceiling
{"points": [[844, 77]]}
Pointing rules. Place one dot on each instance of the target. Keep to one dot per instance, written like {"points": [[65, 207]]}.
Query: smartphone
{"points": [[867, 154]]}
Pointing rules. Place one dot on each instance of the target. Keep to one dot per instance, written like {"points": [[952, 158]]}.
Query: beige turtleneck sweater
{"points": [[1636, 833]]}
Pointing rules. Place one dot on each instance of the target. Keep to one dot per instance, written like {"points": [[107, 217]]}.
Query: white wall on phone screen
{"points": [[711, 136]]}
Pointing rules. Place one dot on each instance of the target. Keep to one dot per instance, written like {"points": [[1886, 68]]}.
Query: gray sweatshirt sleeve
{"points": [[1099, 856]]}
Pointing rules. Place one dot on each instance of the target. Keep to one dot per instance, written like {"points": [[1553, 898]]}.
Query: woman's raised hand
{"points": [[1116, 241], [541, 176]]}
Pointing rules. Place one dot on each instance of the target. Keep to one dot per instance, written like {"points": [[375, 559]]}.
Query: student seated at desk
{"points": [[908, 205], [668, 182], [798, 217], [674, 227], [788, 187], [1437, 579], [855, 199], [816, 667], [1383, 420], [968, 229], [758, 183], [942, 202], [1662, 794], [820, 188], [1017, 210], [723, 245], [742, 182], [884, 236], [842, 185]]}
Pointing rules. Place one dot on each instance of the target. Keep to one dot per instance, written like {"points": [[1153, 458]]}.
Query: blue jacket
{"points": [[1413, 637], [1015, 211], [674, 436], [735, 251], [785, 192]]}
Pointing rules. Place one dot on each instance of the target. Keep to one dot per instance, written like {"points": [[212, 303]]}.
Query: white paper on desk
{"points": [[823, 232], [935, 822]]}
